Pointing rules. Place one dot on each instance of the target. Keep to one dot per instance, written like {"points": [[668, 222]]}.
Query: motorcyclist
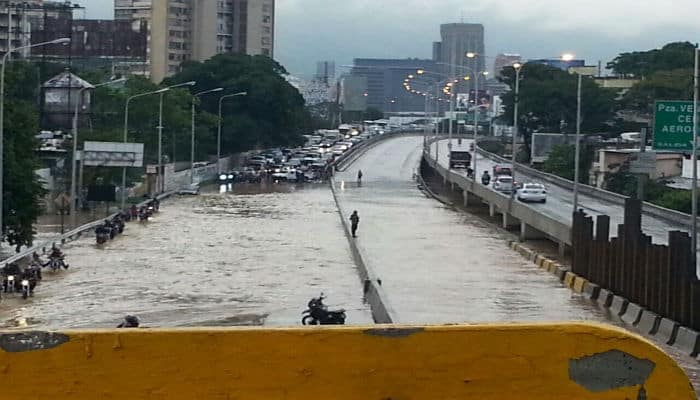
{"points": [[486, 178], [130, 321], [55, 252]]}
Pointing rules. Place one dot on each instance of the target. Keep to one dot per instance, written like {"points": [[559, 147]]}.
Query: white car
{"points": [[532, 192], [503, 184]]}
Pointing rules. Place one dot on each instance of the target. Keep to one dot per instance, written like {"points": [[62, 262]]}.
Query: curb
{"points": [[646, 322]]}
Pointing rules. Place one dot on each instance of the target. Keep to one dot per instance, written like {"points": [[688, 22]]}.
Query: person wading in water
{"points": [[355, 221]]}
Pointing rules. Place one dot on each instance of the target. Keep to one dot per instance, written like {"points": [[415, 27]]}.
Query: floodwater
{"points": [[253, 256], [439, 265]]}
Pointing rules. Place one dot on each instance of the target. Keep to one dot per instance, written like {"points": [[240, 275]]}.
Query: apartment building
{"points": [[182, 30], [19, 19]]}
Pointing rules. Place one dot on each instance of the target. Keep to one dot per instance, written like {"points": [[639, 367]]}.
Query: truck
{"points": [[460, 159]]}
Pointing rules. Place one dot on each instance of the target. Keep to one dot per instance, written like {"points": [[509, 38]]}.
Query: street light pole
{"points": [[194, 97], [161, 172], [696, 93], [2, 118], [577, 156], [74, 162], [517, 67], [126, 134], [218, 136]]}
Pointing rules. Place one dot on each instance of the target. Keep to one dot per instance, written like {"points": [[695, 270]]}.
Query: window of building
{"points": [[266, 19], [266, 52], [267, 29], [266, 41], [267, 8]]}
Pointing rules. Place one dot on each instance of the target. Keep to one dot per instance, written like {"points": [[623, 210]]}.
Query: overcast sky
{"points": [[312, 30]]}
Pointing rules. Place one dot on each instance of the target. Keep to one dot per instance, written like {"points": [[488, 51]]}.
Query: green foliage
{"points": [[659, 85], [493, 147], [22, 190], [561, 162], [673, 56], [548, 102], [625, 183], [272, 114]]}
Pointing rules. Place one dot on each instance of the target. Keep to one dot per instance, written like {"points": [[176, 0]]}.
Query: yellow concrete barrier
{"points": [[569, 279], [546, 263], [553, 267], [538, 260], [549, 361], [579, 284]]}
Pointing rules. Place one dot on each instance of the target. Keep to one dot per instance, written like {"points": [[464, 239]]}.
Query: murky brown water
{"points": [[241, 258]]}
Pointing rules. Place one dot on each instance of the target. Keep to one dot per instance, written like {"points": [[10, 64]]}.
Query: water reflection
{"points": [[254, 254]]}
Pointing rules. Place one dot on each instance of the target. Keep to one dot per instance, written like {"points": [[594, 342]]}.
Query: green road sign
{"points": [[673, 125]]}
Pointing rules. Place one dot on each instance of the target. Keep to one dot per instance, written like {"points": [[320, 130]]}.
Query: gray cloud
{"points": [[312, 30]]}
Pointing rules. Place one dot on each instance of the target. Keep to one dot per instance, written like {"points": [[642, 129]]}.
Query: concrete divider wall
{"points": [[485, 362], [554, 228], [382, 312], [672, 216]]}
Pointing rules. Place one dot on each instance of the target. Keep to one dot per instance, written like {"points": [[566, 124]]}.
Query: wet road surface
{"points": [[242, 258], [442, 266], [560, 200]]}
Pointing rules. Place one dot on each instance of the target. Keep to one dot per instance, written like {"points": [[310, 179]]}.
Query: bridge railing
{"points": [[671, 216]]}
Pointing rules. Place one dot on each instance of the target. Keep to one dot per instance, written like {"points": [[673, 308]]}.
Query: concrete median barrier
{"points": [[605, 298], [485, 362], [591, 290], [632, 314], [619, 305], [649, 322], [668, 329], [569, 278], [579, 284], [688, 341]]}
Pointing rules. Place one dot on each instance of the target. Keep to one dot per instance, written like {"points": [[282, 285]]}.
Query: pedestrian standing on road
{"points": [[359, 177], [354, 222]]}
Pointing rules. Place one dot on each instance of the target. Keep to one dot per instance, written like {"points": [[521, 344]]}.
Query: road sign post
{"points": [[673, 125]]}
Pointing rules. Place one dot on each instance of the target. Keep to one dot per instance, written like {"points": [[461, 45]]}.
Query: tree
{"points": [[548, 102], [674, 84], [272, 113], [22, 190], [640, 64], [561, 162]]}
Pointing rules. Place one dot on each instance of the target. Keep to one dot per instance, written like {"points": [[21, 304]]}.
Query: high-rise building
{"points": [[457, 40], [182, 30], [385, 79], [25, 16], [325, 72], [504, 60]]}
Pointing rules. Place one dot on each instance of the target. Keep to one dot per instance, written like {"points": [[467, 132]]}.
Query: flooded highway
{"points": [[438, 265], [250, 257]]}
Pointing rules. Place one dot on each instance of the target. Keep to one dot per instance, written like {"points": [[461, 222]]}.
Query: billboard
{"points": [[112, 154]]}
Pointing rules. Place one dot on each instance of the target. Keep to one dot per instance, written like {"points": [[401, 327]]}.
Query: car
{"points": [[535, 192], [503, 184], [192, 189]]}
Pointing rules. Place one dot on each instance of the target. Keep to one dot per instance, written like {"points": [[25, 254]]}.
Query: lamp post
{"points": [[516, 105], [696, 93], [2, 116], [194, 97], [218, 136], [74, 162], [126, 131], [577, 156], [161, 173]]}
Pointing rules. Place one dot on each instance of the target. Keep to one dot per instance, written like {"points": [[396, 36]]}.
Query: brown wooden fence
{"points": [[661, 278]]}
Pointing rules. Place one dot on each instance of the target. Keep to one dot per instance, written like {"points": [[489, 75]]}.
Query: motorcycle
{"points": [[9, 284], [26, 289], [318, 314], [55, 263]]}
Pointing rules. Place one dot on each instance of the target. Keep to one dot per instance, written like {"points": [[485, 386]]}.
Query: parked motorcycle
{"points": [[318, 314]]}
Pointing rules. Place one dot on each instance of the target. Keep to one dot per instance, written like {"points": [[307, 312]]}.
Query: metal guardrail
{"points": [[668, 215], [70, 235]]}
